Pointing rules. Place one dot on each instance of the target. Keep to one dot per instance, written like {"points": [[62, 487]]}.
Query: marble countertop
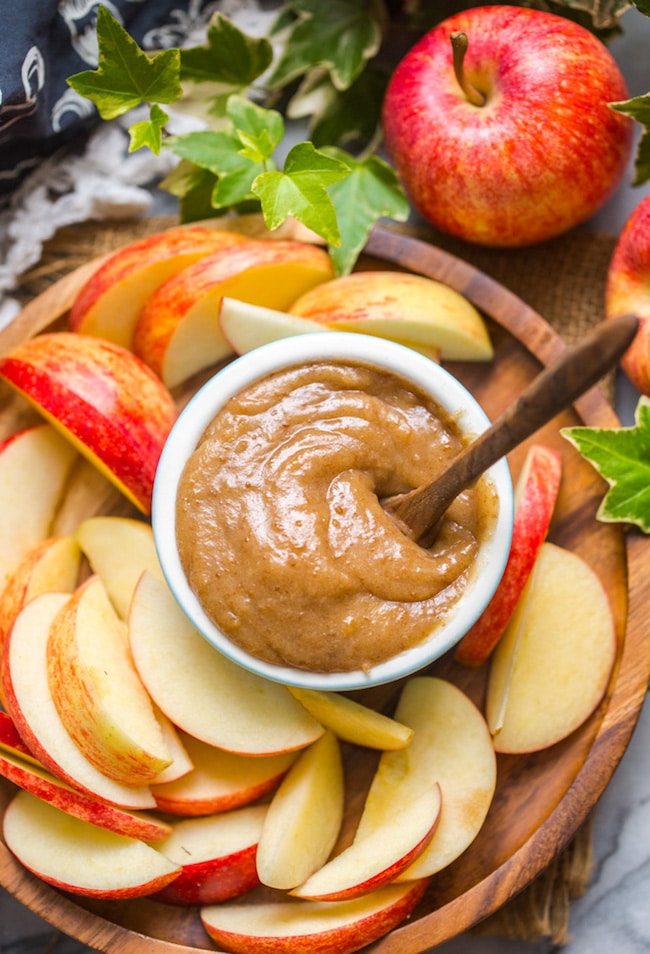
{"points": [[614, 914]]}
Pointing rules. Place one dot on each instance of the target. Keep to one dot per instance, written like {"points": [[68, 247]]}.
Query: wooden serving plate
{"points": [[541, 799]]}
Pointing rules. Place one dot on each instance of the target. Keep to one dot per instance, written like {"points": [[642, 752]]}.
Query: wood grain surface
{"points": [[541, 799]]}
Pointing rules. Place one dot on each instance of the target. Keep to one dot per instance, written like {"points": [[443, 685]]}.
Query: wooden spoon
{"points": [[577, 369]]}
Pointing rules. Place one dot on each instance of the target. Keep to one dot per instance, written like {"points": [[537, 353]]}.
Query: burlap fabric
{"points": [[564, 281]]}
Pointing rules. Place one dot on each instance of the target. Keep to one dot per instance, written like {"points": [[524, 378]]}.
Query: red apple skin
{"points": [[213, 881], [10, 737], [178, 247], [533, 514], [342, 939], [85, 807], [541, 155], [627, 290], [103, 397]]}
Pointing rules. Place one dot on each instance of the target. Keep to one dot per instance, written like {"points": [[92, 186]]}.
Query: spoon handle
{"points": [[577, 369]]}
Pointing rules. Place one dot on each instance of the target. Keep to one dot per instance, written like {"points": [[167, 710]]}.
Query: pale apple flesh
{"points": [[109, 303], [97, 691], [627, 291], [451, 747], [387, 848], [411, 309], [119, 550], [36, 780], [178, 334], [202, 692], [219, 780], [216, 854], [29, 703], [102, 399], [57, 847], [352, 721], [304, 817], [35, 464], [307, 927], [552, 666], [536, 494]]}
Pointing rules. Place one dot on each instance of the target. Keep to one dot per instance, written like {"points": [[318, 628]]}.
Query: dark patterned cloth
{"points": [[42, 43]]}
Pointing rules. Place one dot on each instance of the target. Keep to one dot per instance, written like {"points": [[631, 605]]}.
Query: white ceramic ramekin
{"points": [[355, 348]]}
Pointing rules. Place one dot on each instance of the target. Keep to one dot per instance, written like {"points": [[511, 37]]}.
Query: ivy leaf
{"points": [[221, 154], [370, 191], [127, 76], [300, 190], [259, 130], [230, 56], [340, 36], [149, 131], [340, 116], [643, 6], [604, 14], [639, 108], [622, 457]]}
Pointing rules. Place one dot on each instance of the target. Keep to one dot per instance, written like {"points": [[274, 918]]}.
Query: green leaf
{"points": [[149, 131], [351, 115], [639, 108], [221, 154], [622, 457], [643, 6], [300, 190], [230, 56], [260, 130], [370, 191], [341, 36], [126, 76]]}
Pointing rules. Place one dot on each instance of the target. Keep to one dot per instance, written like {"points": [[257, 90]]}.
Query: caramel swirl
{"points": [[281, 531]]}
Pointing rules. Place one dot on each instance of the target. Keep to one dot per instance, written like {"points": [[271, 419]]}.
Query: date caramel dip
{"points": [[280, 529]]}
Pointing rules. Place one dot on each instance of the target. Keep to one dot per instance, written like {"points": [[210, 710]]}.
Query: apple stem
{"points": [[459, 45]]}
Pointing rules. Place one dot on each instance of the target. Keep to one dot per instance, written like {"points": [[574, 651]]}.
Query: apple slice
{"points": [[402, 307], [352, 721], [103, 399], [216, 854], [246, 326], [452, 747], [41, 783], [97, 691], [535, 497], [306, 927], [30, 705], [384, 852], [76, 856], [219, 780], [178, 334], [109, 303], [35, 464], [201, 691], [304, 818], [119, 550], [552, 666], [181, 764], [51, 566]]}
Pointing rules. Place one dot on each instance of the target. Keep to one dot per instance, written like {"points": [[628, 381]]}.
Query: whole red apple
{"points": [[529, 147], [628, 290]]}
